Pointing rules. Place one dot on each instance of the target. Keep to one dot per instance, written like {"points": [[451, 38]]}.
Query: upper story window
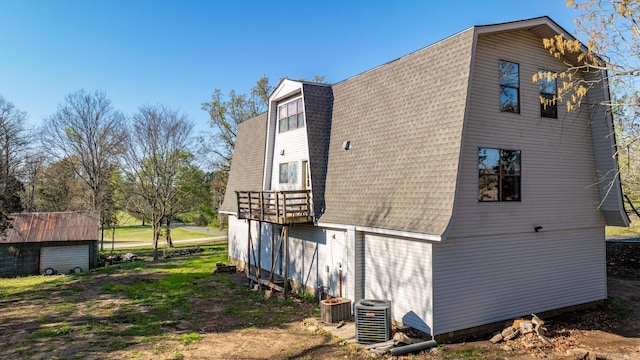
{"points": [[509, 86], [548, 93], [289, 173], [290, 115], [499, 172]]}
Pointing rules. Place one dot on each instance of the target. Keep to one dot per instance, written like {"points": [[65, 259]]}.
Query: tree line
{"points": [[90, 156]]}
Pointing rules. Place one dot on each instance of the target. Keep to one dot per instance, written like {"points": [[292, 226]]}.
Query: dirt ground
{"points": [[610, 330]]}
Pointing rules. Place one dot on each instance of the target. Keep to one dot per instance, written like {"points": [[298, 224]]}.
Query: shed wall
{"points": [[23, 259], [19, 259]]}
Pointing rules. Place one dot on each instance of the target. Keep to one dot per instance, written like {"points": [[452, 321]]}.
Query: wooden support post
{"points": [[286, 260], [259, 262], [262, 206], [248, 265], [273, 251], [238, 203]]}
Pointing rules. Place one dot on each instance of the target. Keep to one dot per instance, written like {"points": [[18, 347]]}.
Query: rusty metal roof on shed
{"points": [[52, 226]]}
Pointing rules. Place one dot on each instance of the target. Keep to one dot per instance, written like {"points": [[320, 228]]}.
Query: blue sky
{"points": [[175, 53]]}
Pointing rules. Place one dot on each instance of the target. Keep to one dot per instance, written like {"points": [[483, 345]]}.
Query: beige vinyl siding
{"points": [[312, 250], [558, 184], [331, 253], [265, 248], [487, 279], [399, 270], [604, 141], [238, 233], [477, 270]]}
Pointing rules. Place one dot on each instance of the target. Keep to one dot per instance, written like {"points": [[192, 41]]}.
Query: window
{"points": [[499, 172], [290, 115], [548, 93], [509, 87], [289, 173]]}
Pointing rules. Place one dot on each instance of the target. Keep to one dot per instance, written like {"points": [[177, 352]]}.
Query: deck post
{"points": [[286, 260], [273, 243], [259, 262], [284, 206], [248, 270], [238, 203], [261, 206]]}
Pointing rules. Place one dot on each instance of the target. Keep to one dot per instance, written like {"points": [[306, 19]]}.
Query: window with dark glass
{"points": [[509, 86], [548, 94], [289, 173], [290, 115], [499, 172]]}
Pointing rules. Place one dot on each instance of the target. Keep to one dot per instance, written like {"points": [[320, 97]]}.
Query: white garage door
{"points": [[63, 259]]}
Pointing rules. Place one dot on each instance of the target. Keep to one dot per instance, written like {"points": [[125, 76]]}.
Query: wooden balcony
{"points": [[279, 207]]}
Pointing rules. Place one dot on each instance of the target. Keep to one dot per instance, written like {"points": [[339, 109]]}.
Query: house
{"points": [[56, 242], [436, 181]]}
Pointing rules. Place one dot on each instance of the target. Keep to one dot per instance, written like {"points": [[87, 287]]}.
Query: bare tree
{"points": [[227, 112], [14, 142], [59, 188], [609, 56], [158, 140], [87, 133], [33, 168]]}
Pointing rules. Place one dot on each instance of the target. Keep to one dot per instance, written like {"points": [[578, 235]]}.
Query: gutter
{"points": [[400, 233]]}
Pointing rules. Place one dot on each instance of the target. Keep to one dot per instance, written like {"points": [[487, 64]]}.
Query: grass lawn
{"points": [[139, 233], [140, 309]]}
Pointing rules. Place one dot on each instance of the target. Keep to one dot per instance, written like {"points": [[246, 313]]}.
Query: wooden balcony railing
{"points": [[280, 207]]}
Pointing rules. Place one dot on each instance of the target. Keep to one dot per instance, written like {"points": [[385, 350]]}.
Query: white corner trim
{"points": [[400, 233]]}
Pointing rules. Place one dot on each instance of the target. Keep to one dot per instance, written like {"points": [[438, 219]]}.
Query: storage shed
{"points": [[56, 242]]}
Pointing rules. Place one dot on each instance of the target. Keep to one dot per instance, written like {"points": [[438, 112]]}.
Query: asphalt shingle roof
{"points": [[404, 121], [247, 164]]}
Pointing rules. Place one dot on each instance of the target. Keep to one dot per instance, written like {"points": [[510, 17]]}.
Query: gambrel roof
{"points": [[405, 123], [248, 161]]}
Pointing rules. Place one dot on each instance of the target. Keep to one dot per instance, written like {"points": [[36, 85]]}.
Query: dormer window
{"points": [[290, 115]]}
